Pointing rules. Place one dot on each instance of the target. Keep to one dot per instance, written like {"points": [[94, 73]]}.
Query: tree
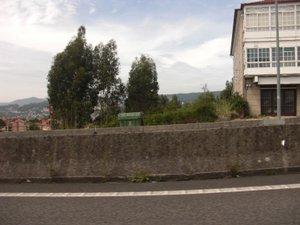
{"points": [[109, 88], [33, 124], [69, 83], [142, 87], [163, 101], [174, 104], [227, 93], [2, 124], [205, 107]]}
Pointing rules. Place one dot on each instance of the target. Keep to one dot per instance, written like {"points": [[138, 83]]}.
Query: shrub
{"points": [[223, 109], [183, 115], [227, 93], [109, 121], [33, 124], [205, 108], [234, 170], [239, 105], [139, 177], [2, 124]]}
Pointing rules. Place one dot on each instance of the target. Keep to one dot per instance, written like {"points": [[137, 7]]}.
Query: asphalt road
{"points": [[253, 208]]}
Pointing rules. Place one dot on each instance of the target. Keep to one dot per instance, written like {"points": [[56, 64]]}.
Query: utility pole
{"points": [[278, 63]]}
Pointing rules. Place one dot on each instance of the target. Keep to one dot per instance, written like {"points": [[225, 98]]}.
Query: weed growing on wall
{"points": [[139, 177]]}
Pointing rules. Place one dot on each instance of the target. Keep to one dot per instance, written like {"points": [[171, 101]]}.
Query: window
{"points": [[288, 102], [251, 20], [252, 56], [286, 20], [289, 54], [298, 56], [258, 57], [273, 19], [287, 57], [264, 57], [257, 21], [298, 18], [259, 18], [274, 54], [263, 21], [261, 57], [269, 102]]}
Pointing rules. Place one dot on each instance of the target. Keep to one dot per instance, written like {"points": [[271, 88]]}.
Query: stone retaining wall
{"points": [[159, 150]]}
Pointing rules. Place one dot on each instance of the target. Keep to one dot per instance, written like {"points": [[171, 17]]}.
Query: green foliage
{"points": [[109, 121], [223, 109], [142, 87], [2, 124], [82, 78], [55, 124], [203, 110], [162, 102], [139, 177], [231, 103], [109, 87], [174, 104], [33, 124], [69, 83], [180, 116], [227, 93], [234, 169], [239, 105]]}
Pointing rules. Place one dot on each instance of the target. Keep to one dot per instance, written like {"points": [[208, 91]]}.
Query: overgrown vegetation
{"points": [[33, 124], [139, 177], [84, 80], [142, 87], [203, 110], [234, 169], [231, 104], [2, 123], [206, 108]]}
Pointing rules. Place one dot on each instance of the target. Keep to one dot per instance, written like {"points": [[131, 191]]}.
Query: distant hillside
{"points": [[38, 108], [24, 101], [191, 97], [28, 111]]}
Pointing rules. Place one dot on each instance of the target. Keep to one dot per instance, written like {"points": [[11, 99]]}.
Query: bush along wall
{"points": [[203, 110]]}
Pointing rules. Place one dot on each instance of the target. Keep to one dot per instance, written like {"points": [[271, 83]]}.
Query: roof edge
{"points": [[233, 31], [267, 2]]}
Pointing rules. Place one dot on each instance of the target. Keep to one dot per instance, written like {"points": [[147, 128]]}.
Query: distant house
{"points": [[45, 124], [5, 128], [18, 125], [254, 55]]}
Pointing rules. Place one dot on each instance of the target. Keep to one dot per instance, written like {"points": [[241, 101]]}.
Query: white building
{"points": [[253, 50]]}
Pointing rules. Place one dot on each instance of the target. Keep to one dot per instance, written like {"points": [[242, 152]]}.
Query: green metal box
{"points": [[130, 119]]}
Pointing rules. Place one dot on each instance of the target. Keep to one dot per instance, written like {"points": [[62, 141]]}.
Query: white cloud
{"points": [[163, 41], [188, 52], [40, 12], [38, 24], [23, 72], [213, 53], [92, 8]]}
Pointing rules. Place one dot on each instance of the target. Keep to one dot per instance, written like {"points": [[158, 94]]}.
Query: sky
{"points": [[189, 40]]}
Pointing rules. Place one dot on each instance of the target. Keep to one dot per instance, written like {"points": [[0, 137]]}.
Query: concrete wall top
{"points": [[153, 129]]}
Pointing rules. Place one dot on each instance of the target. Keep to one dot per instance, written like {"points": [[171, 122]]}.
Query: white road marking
{"points": [[151, 193]]}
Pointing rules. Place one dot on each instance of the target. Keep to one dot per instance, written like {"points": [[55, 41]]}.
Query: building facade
{"points": [[18, 125], [254, 56]]}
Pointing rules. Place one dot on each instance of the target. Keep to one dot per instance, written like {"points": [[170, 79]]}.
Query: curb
{"points": [[156, 178]]}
